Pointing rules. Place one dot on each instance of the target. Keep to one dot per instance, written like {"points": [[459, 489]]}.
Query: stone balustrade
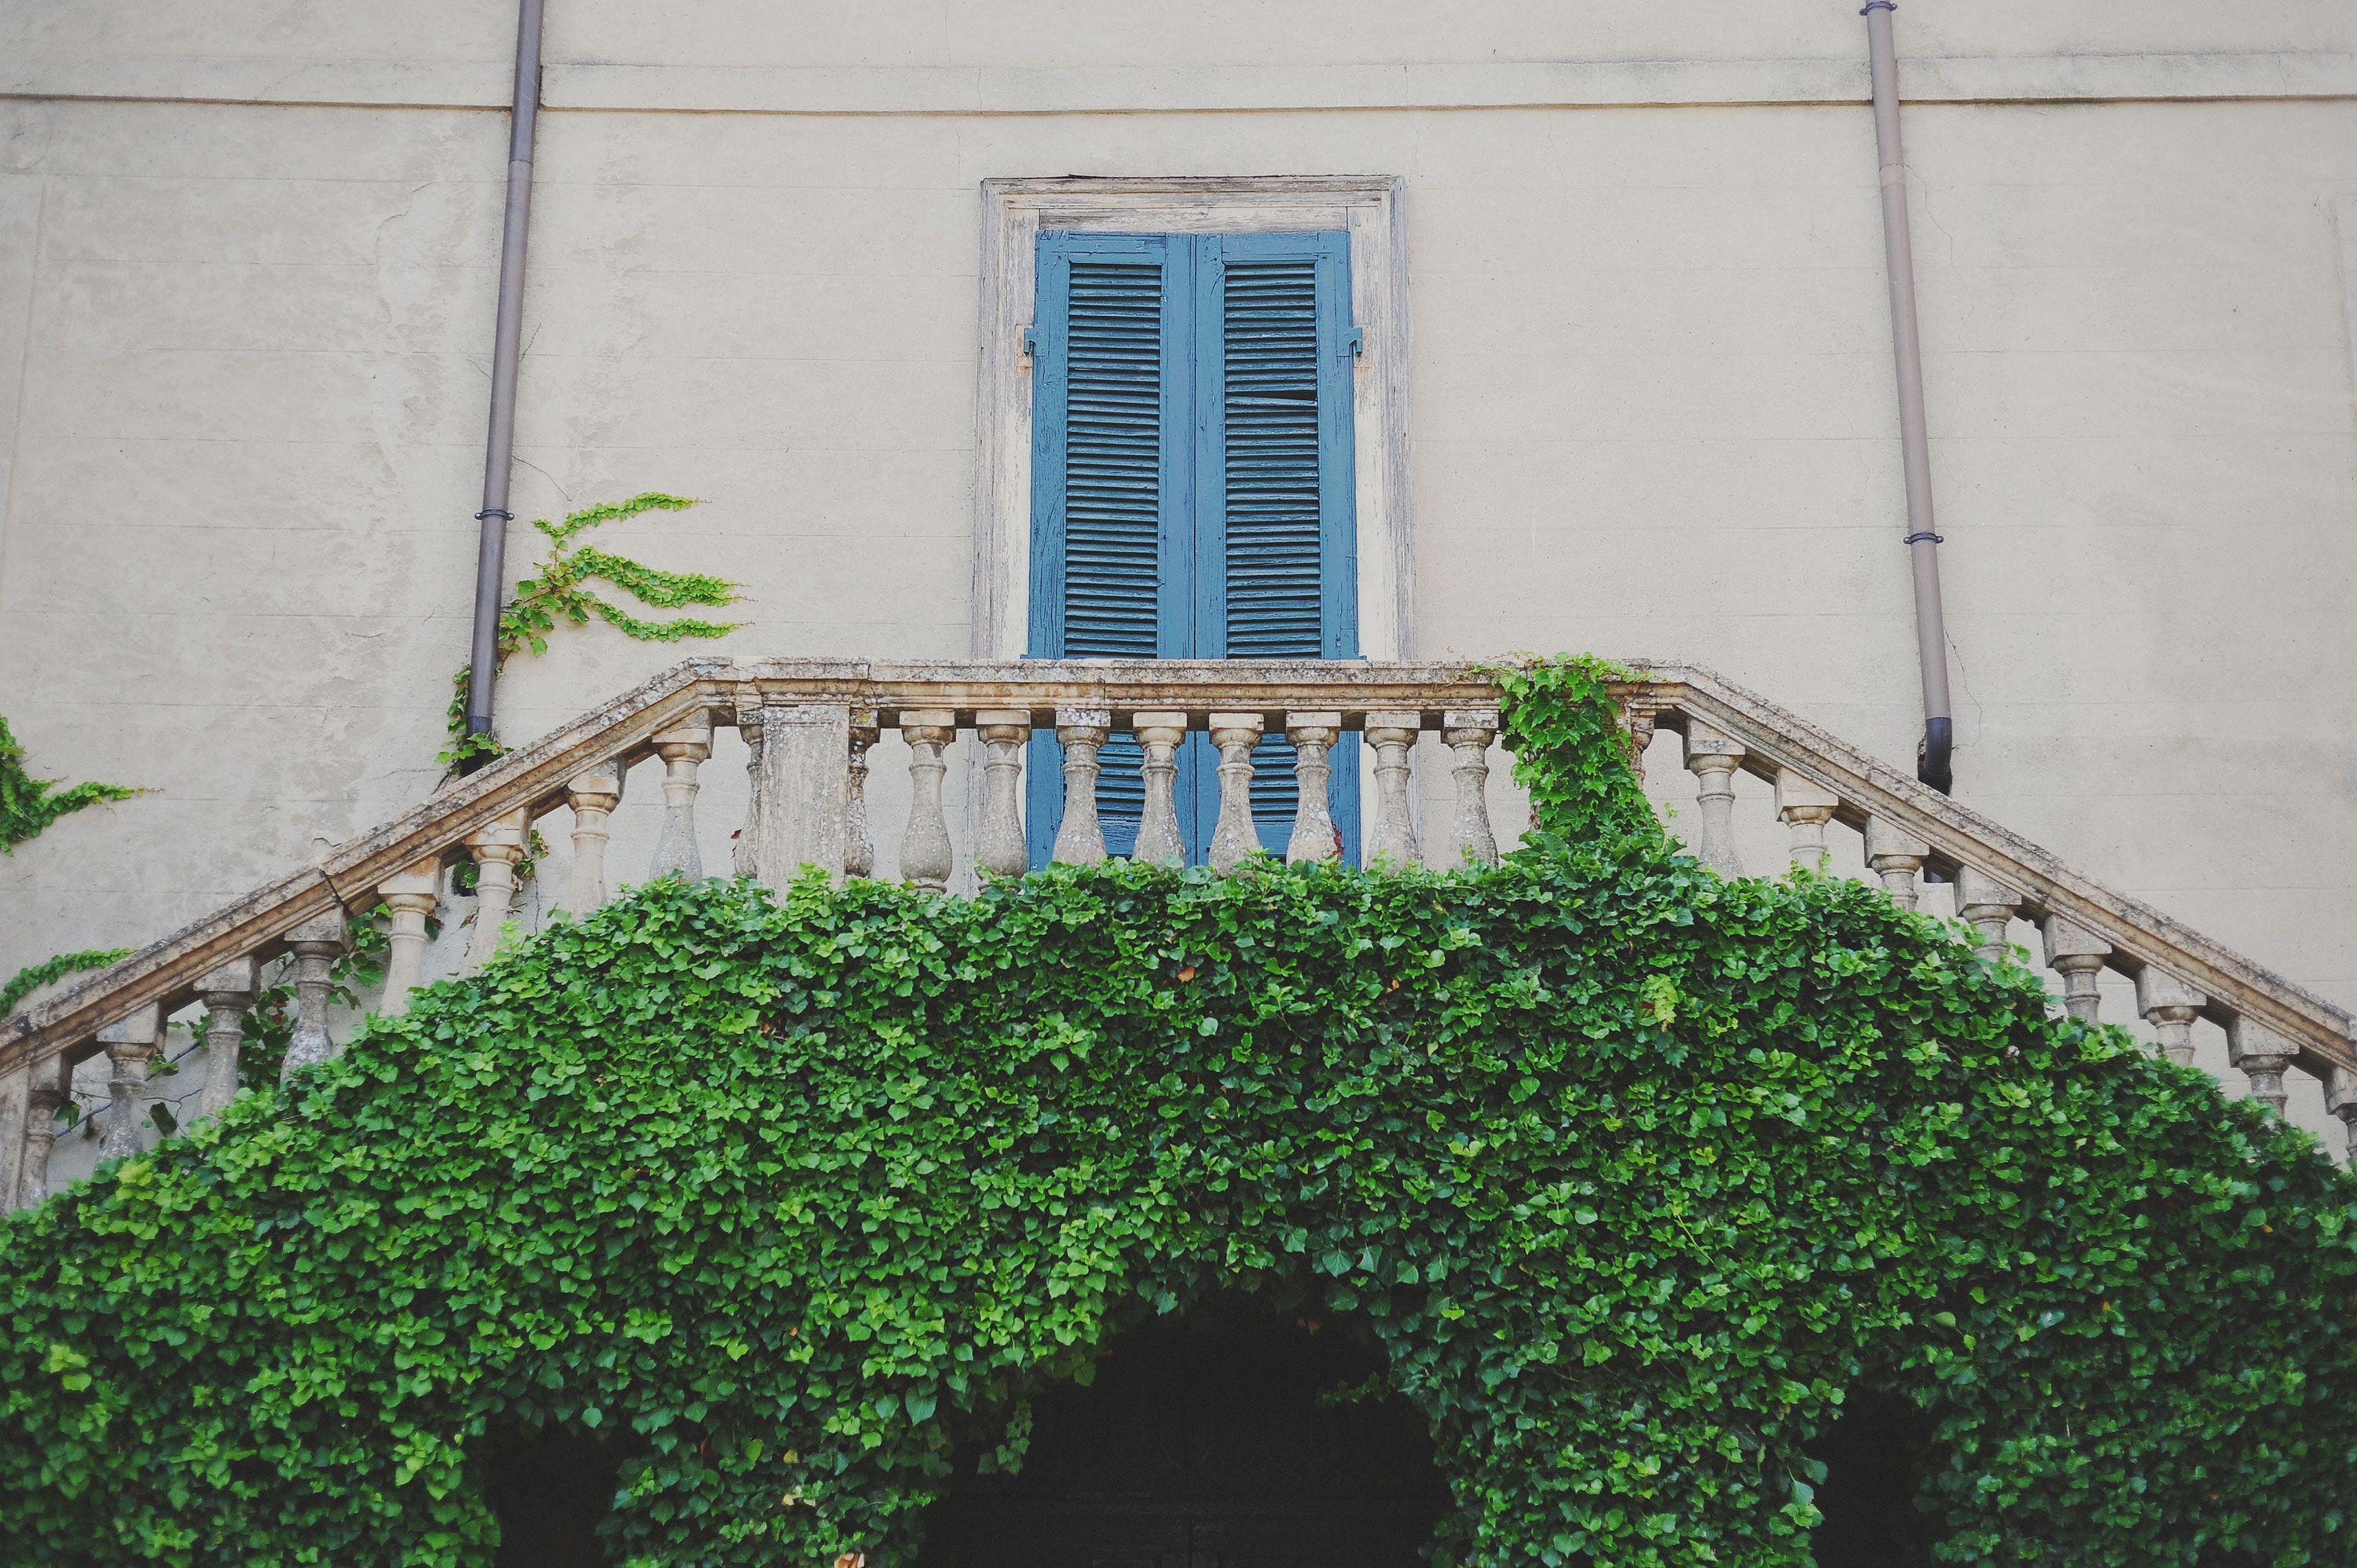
{"points": [[1912, 836], [811, 728]]}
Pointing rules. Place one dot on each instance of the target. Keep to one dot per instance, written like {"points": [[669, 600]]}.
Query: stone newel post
{"points": [[803, 791]]}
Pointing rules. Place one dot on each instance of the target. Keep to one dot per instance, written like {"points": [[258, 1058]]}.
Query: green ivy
{"points": [[32, 977], [1633, 1172], [559, 589], [1570, 751], [28, 804]]}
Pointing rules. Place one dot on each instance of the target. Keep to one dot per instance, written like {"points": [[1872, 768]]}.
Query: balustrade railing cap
{"points": [[1795, 790], [504, 832], [2247, 1039], [2065, 938], [421, 880], [139, 1027], [693, 729], [327, 929], [2158, 988], [1976, 889], [606, 779], [1701, 740], [238, 975]]}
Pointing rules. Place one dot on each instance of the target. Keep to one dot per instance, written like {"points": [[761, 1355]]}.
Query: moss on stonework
{"points": [[1636, 1174]]}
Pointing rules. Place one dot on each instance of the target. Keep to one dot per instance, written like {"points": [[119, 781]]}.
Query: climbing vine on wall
{"points": [[1634, 1174], [560, 589], [28, 804], [32, 977]]}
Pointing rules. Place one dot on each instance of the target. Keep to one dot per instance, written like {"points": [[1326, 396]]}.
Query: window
{"points": [[1192, 486]]}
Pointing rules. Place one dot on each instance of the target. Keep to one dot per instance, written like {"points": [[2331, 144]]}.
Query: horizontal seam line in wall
{"points": [[2057, 101]]}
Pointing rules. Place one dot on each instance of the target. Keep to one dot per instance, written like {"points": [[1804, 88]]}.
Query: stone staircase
{"points": [[809, 727]]}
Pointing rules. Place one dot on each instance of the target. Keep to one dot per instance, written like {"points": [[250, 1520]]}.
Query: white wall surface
{"points": [[247, 273]]}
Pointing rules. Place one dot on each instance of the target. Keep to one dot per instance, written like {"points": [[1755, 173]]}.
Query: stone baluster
{"points": [[2340, 1100], [1987, 905], [1313, 735], [1469, 731], [227, 992], [131, 1043], [999, 846], [410, 898], [685, 748], [858, 837], [1160, 735], [593, 795], [1235, 839], [497, 847], [2076, 954], [317, 943], [1896, 857], [50, 1087], [925, 853], [1713, 759], [1392, 734], [2263, 1055], [2169, 1005], [744, 858], [1083, 731], [800, 812], [1805, 807]]}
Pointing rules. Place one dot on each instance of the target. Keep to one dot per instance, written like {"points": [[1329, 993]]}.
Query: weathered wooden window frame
{"points": [[1014, 211]]}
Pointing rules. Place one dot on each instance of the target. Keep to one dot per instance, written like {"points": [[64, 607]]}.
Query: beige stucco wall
{"points": [[246, 285]]}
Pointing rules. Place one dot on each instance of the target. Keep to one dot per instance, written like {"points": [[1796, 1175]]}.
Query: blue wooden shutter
{"points": [[1278, 501], [1111, 542]]}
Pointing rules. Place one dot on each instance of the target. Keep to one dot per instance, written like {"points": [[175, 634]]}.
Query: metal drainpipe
{"points": [[1933, 753], [490, 560]]}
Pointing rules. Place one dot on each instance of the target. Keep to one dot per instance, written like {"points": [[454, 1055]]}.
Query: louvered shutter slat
{"points": [[1113, 465]]}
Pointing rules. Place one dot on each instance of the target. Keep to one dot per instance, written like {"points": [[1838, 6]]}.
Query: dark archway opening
{"points": [[549, 1492], [1219, 1442], [1876, 1454]]}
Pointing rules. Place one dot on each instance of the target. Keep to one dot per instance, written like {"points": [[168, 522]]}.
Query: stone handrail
{"points": [[809, 725]]}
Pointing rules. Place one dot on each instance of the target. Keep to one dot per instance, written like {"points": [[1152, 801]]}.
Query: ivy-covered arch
{"points": [[1634, 1171]]}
